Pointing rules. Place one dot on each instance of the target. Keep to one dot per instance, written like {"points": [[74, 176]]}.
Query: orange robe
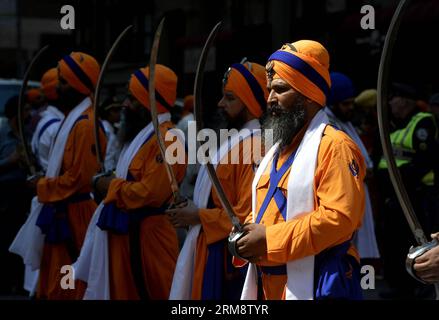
{"points": [[339, 202], [236, 180], [158, 239], [79, 164]]}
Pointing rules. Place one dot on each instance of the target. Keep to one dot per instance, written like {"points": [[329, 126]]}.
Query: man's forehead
{"points": [[279, 82]]}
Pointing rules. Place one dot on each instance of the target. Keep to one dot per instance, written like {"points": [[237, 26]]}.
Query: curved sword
{"points": [[113, 48], [238, 231], [154, 115], [395, 175], [21, 102], [198, 86]]}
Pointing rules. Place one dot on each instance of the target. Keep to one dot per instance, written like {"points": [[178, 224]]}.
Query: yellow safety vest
{"points": [[402, 145]]}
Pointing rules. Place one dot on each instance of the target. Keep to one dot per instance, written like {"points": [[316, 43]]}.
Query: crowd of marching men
{"points": [[312, 208]]}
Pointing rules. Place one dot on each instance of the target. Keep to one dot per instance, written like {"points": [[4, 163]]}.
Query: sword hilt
{"points": [[232, 241], [416, 252]]}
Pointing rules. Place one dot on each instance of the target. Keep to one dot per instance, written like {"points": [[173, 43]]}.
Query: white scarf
{"points": [[364, 239], [184, 270], [92, 265], [300, 201], [47, 115], [29, 241]]}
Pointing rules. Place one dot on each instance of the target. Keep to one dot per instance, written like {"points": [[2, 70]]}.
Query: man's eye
{"points": [[280, 89]]}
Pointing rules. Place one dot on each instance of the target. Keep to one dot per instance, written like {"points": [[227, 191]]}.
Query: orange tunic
{"points": [[158, 238], [79, 164], [339, 202], [236, 180]]}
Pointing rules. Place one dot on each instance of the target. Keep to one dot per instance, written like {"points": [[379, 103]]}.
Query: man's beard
{"points": [[69, 99], [132, 123], [285, 122], [236, 122]]}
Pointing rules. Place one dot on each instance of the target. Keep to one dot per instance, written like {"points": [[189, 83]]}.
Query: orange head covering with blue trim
{"points": [[165, 87], [188, 103], [49, 83], [81, 71], [304, 65], [34, 96], [248, 82]]}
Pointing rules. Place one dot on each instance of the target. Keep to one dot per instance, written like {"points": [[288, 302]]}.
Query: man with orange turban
{"points": [[42, 140], [35, 99], [51, 118], [65, 205], [308, 192], [141, 246], [204, 257]]}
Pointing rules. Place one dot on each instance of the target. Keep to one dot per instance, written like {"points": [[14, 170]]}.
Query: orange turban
{"points": [[81, 71], [165, 87], [49, 82], [33, 96], [188, 103], [304, 65], [248, 82]]}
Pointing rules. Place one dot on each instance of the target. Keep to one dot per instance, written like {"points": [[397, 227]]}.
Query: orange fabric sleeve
{"points": [[79, 163], [339, 202], [151, 186], [236, 180]]}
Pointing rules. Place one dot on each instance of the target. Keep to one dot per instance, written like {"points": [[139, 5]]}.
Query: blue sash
{"points": [[337, 274], [274, 190], [118, 221], [213, 277], [53, 221]]}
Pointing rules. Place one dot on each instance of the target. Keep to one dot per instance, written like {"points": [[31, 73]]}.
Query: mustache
{"points": [[284, 122]]}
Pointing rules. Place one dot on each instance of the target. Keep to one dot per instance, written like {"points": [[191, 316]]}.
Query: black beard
{"points": [[285, 123], [69, 99], [132, 123], [236, 122]]}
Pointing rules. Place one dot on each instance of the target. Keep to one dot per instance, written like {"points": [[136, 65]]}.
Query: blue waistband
{"points": [[274, 271], [52, 219], [118, 221]]}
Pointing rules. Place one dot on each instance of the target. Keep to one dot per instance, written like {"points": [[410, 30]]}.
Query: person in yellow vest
{"points": [[413, 143]]}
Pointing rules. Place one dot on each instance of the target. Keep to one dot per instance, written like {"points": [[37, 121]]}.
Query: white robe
{"points": [[113, 148], [43, 141]]}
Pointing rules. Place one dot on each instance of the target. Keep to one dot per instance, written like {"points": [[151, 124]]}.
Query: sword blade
{"points": [[21, 102], [198, 86], [154, 114], [107, 60], [383, 120]]}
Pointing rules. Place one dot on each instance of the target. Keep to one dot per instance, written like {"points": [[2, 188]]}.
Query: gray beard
{"points": [[285, 123]]}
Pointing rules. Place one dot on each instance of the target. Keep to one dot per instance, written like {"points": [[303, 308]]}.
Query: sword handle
{"points": [[179, 201], [232, 241], [416, 252]]}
